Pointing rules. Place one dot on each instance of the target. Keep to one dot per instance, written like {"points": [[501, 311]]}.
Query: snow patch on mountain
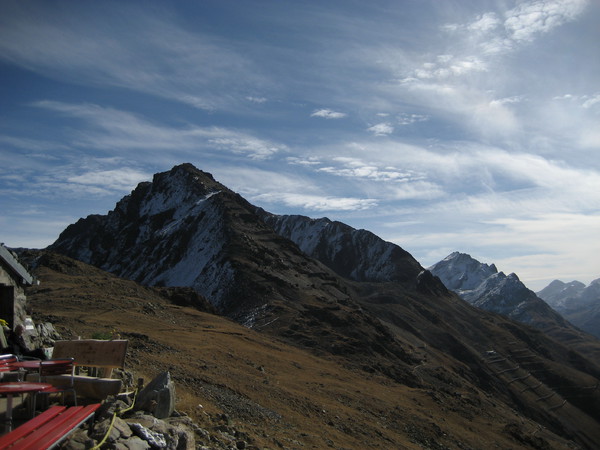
{"points": [[355, 254], [460, 272]]}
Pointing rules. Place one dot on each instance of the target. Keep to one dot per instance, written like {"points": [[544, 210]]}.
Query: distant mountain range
{"points": [[578, 303], [483, 286], [324, 286]]}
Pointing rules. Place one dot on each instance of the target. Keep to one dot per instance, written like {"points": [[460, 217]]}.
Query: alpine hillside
{"points": [[186, 229]]}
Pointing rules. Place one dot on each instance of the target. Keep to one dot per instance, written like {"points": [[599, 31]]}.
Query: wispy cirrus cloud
{"points": [[356, 168], [479, 179], [121, 179], [110, 129], [151, 54]]}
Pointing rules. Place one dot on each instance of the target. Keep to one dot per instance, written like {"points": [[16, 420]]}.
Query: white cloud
{"points": [[258, 100], [242, 143], [356, 168], [409, 119], [303, 161], [318, 203], [563, 97], [507, 100], [528, 19], [448, 66], [591, 101], [328, 114], [116, 179], [465, 79], [485, 23], [381, 129]]}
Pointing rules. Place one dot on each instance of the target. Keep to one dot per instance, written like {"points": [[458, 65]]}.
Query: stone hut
{"points": [[13, 280]]}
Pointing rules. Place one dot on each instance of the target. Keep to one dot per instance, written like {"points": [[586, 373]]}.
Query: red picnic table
{"points": [[9, 389], [29, 365]]}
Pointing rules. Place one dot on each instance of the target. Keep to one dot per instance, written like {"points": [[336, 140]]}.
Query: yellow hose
{"points": [[117, 412]]}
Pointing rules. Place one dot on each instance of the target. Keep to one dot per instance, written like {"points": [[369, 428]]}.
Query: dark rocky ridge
{"points": [[358, 255]]}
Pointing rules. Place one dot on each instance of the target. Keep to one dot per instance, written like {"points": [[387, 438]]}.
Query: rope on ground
{"points": [[112, 422]]}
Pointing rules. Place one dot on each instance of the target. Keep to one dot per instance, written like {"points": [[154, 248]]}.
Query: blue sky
{"points": [[438, 125]]}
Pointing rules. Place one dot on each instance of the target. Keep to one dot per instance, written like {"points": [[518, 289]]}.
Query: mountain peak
{"points": [[460, 271], [483, 286]]}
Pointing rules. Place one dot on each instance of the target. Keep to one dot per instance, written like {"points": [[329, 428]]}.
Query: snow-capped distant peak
{"points": [[459, 271]]}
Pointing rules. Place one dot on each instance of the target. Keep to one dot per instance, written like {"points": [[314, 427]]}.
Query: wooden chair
{"points": [[60, 373]]}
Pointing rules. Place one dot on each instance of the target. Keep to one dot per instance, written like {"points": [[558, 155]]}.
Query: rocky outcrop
{"points": [[118, 426], [158, 397]]}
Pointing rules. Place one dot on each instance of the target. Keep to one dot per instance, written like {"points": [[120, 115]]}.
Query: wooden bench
{"points": [[49, 428], [100, 358]]}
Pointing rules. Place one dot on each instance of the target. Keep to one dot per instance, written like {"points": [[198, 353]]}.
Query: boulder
{"points": [[158, 397], [156, 440]]}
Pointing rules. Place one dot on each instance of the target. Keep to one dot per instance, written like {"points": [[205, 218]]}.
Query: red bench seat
{"points": [[49, 428]]}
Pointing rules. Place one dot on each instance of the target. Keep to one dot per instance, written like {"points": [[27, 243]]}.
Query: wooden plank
{"points": [[93, 352], [30, 426]]}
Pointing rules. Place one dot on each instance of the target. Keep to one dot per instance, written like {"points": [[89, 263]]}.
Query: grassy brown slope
{"points": [[281, 396]]}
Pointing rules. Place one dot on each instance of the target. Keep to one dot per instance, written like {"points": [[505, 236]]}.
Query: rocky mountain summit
{"points": [[578, 303], [366, 312]]}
